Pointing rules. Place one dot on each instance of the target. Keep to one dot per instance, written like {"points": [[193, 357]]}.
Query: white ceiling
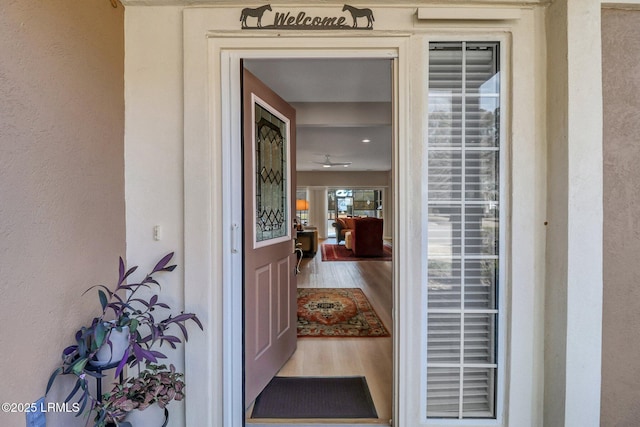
{"points": [[339, 103]]}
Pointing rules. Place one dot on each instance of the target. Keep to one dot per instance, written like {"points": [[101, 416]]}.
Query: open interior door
{"points": [[269, 259]]}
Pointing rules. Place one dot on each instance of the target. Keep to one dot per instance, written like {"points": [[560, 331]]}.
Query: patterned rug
{"points": [[333, 252], [337, 312]]}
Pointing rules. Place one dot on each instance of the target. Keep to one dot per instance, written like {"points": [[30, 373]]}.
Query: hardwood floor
{"points": [[370, 357]]}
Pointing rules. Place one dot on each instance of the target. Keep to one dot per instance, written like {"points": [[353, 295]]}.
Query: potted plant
{"points": [[144, 397], [123, 308]]}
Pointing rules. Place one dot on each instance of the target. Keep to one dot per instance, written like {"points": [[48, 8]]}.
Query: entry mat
{"points": [[315, 397]]}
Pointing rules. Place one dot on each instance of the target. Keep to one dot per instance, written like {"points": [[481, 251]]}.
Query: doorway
{"points": [[345, 138], [213, 202]]}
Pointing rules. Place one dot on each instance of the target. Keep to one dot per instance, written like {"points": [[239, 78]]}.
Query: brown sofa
{"points": [[367, 237], [342, 225]]}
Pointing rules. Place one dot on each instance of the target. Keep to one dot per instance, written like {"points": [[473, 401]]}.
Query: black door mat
{"points": [[315, 397]]}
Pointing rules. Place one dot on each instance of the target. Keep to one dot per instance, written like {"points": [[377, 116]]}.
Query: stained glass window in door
{"points": [[272, 201]]}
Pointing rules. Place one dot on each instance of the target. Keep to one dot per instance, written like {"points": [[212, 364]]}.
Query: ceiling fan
{"points": [[328, 163]]}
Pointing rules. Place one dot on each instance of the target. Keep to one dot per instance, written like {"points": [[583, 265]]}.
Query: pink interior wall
{"points": [[621, 317], [62, 214]]}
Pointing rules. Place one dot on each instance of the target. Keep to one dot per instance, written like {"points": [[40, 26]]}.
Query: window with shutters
{"points": [[464, 250]]}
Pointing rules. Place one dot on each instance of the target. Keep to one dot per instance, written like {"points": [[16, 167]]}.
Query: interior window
{"points": [[355, 202]]}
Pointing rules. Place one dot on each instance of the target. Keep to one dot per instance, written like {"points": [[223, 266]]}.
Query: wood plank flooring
{"points": [[370, 357]]}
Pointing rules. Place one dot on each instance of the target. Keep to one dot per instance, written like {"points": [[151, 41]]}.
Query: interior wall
{"points": [[342, 179], [62, 213], [621, 305]]}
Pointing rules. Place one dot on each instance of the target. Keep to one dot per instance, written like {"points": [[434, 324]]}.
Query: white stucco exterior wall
{"points": [[574, 244], [584, 269], [154, 154], [155, 194]]}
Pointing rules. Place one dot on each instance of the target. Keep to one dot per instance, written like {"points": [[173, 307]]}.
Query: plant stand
{"points": [[99, 370]]}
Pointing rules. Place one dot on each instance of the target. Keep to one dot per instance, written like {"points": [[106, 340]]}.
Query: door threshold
{"points": [[314, 422]]}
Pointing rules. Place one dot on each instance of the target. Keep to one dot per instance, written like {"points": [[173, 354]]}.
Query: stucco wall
{"points": [[62, 213], [154, 153], [557, 246], [573, 294], [621, 319]]}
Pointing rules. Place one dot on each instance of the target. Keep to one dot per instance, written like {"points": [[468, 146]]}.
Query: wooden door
{"points": [[269, 259]]}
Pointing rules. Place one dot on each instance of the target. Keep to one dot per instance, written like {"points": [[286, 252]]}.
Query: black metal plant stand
{"points": [[99, 370]]}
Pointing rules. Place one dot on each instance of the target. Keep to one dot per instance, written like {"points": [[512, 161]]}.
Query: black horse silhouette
{"points": [[256, 13], [359, 13]]}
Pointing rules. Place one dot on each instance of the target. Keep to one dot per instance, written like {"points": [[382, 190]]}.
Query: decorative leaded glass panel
{"points": [[271, 175]]}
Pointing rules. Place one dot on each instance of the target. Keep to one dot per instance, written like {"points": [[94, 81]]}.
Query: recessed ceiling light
{"points": [[326, 166], [366, 141], [346, 166]]}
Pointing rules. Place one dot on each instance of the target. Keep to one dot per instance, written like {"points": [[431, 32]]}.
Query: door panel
{"points": [[269, 278], [284, 297], [262, 320]]}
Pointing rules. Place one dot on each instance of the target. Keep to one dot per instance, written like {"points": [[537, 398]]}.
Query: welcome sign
{"points": [[264, 18]]}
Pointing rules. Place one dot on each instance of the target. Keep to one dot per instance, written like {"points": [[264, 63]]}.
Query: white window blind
{"points": [[464, 216]]}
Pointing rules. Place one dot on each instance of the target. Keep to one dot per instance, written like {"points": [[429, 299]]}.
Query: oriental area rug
{"points": [[337, 312], [333, 252]]}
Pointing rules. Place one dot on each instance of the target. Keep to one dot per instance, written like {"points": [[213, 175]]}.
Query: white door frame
{"points": [[212, 255], [222, 300]]}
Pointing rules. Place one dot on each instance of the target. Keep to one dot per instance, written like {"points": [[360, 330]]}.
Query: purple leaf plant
{"points": [[121, 307]]}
